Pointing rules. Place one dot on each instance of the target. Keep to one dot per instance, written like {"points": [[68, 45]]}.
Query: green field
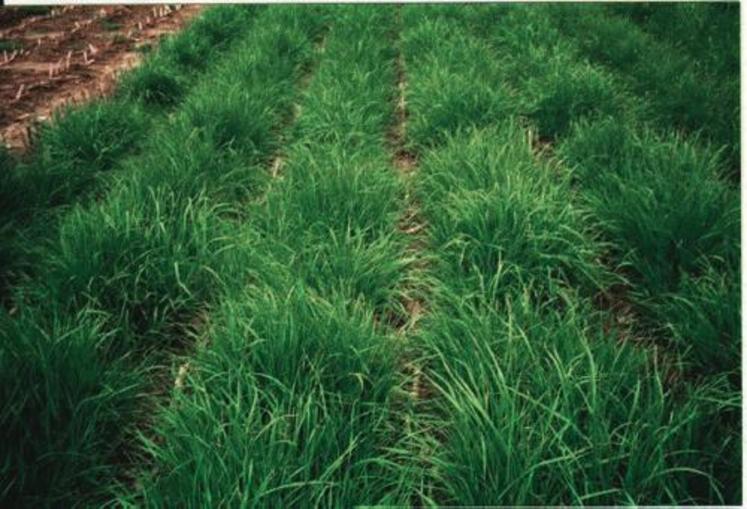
{"points": [[330, 256]]}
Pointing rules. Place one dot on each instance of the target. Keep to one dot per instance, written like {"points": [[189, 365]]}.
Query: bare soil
{"points": [[71, 54]]}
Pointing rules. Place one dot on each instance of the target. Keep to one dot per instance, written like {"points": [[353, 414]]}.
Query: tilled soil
{"points": [[72, 54]]}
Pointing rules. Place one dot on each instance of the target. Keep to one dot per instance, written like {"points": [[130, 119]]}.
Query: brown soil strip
{"points": [[406, 163], [411, 223], [71, 55]]}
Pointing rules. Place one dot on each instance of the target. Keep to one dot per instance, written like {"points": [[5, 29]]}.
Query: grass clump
{"points": [[536, 405], [81, 143], [144, 265], [155, 85], [297, 412], [166, 77], [682, 93], [333, 188], [566, 93], [662, 200], [447, 86], [234, 120], [493, 212], [62, 406], [703, 319]]}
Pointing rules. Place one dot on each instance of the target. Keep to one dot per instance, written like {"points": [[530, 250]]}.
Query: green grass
{"points": [[74, 154], [705, 32], [516, 373], [318, 371], [682, 94], [62, 406], [140, 263], [503, 218], [221, 290], [538, 406], [291, 397]]}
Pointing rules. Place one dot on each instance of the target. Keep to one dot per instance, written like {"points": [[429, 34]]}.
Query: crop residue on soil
{"points": [[71, 54]]}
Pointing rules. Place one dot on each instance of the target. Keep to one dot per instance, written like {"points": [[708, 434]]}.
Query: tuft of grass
{"points": [[681, 92], [497, 215], [566, 93], [291, 397], [142, 262], [446, 84], [663, 201], [703, 319], [62, 406], [159, 86], [80, 144], [233, 120], [535, 405]]}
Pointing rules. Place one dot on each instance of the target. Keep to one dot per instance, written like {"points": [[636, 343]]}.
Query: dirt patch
{"points": [[70, 55], [411, 223]]}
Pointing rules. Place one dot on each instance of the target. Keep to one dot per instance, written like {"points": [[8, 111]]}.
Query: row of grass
{"points": [[706, 32], [538, 397], [680, 94], [73, 155], [662, 200], [125, 280], [291, 400], [664, 204]]}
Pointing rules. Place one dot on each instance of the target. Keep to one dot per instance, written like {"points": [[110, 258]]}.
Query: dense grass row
{"points": [[707, 32], [290, 400], [125, 279], [680, 93], [547, 405], [633, 178], [663, 202], [73, 155]]}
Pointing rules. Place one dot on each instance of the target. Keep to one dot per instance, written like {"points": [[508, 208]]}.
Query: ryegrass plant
{"points": [[706, 32], [62, 407], [681, 95], [663, 200], [564, 92], [453, 82], [703, 318], [143, 265], [328, 186], [79, 145], [539, 406], [291, 399], [163, 81], [494, 212]]}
